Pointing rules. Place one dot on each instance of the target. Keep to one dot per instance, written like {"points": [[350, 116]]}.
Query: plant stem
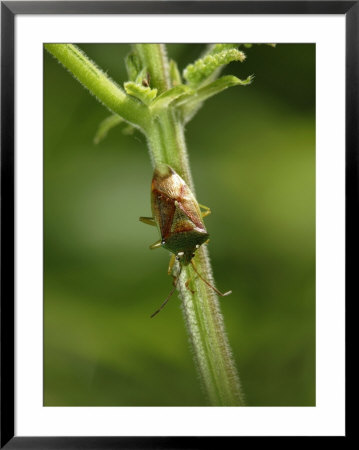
{"points": [[201, 309], [99, 84], [164, 131], [157, 64]]}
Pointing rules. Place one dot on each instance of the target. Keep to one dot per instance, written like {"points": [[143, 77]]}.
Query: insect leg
{"points": [[171, 264], [209, 284], [169, 295], [207, 211], [148, 220], [156, 244], [164, 303]]}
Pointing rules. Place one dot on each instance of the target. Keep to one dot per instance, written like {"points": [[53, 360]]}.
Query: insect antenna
{"points": [[169, 295], [208, 283]]}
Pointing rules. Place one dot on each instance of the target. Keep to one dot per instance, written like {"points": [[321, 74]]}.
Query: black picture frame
{"points": [[9, 9]]}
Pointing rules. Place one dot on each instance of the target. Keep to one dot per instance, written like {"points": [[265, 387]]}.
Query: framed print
{"points": [[231, 129]]}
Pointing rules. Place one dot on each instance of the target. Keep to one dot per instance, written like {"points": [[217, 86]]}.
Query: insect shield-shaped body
{"points": [[177, 214], [178, 217]]}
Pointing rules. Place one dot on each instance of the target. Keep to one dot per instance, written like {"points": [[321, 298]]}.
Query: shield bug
{"points": [[178, 216]]}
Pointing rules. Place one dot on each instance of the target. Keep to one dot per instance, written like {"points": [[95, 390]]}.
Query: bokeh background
{"points": [[252, 153]]}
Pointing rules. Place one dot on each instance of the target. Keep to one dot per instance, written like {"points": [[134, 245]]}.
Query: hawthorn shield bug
{"points": [[179, 219]]}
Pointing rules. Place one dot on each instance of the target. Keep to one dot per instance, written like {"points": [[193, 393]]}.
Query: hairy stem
{"points": [[99, 84], [155, 58], [201, 308]]}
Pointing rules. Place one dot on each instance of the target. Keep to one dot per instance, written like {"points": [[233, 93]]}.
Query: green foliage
{"points": [[202, 69], [187, 99], [218, 48], [201, 83], [133, 66], [143, 93], [190, 104], [175, 74], [172, 95]]}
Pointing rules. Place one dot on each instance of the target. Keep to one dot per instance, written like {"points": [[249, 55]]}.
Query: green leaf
{"points": [[203, 68], [143, 93], [192, 104], [222, 83], [176, 93], [175, 74], [133, 65], [105, 126]]}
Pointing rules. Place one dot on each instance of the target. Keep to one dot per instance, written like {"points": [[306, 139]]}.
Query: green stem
{"points": [[99, 84], [201, 309], [165, 135], [156, 62]]}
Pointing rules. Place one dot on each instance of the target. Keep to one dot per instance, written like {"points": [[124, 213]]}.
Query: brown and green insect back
{"points": [[179, 219], [177, 214]]}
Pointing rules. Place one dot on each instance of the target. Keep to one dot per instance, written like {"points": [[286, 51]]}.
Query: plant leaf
{"points": [[105, 126], [192, 104], [133, 65], [175, 93], [203, 68], [143, 93], [175, 73]]}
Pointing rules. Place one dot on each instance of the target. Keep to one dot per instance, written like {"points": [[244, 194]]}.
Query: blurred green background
{"points": [[252, 153]]}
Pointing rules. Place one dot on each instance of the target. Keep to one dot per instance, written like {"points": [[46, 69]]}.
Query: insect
{"points": [[178, 216]]}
